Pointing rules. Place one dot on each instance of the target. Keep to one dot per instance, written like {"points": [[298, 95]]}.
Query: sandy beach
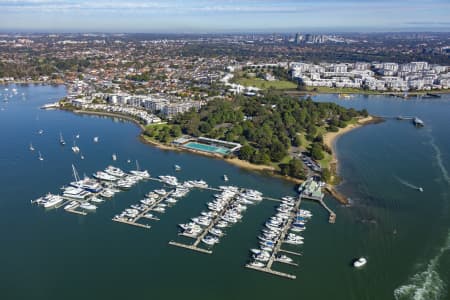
{"points": [[330, 139]]}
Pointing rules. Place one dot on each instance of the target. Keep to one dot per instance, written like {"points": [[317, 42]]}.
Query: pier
{"points": [[277, 248], [205, 231], [134, 221]]}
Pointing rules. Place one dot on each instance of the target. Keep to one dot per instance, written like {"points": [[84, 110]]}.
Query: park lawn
{"points": [[325, 162], [263, 84]]}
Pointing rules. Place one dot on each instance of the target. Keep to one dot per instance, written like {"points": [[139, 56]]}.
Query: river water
{"points": [[54, 254]]}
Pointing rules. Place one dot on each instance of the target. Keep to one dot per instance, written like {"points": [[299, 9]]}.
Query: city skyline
{"points": [[200, 16]]}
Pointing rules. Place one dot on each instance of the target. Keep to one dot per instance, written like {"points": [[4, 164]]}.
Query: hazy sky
{"points": [[225, 15]]}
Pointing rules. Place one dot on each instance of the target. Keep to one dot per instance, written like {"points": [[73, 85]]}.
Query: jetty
{"points": [[194, 246], [277, 248], [134, 221], [311, 190]]}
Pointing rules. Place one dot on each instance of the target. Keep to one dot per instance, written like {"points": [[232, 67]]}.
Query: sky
{"points": [[209, 16]]}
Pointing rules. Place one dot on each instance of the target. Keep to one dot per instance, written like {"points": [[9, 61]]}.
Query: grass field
{"points": [[263, 84]]}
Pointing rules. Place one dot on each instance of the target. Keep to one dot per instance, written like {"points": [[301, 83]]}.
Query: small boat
{"points": [[31, 147], [61, 140], [420, 189], [40, 156], [75, 148], [360, 262], [225, 177], [77, 136], [95, 139], [114, 157], [177, 168], [82, 156], [41, 131]]}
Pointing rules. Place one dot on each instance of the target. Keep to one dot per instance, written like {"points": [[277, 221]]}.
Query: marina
{"points": [[276, 233], [225, 210]]}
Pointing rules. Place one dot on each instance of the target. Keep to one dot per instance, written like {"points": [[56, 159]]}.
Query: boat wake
{"points": [[425, 285], [406, 183], [439, 160]]}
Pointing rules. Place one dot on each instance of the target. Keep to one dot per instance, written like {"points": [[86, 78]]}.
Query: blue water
{"points": [[54, 254]]}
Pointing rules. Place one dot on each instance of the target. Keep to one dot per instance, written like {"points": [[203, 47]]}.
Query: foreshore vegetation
{"points": [[273, 128]]}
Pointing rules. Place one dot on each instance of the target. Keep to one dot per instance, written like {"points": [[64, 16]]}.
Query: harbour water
{"points": [[53, 254]]}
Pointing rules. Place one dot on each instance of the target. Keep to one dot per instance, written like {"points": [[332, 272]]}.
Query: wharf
{"points": [[332, 214], [194, 246], [270, 271], [132, 223], [77, 212], [272, 259], [190, 247], [142, 214]]}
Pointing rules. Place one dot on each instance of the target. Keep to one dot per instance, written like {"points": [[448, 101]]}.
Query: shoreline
{"points": [[330, 139]]}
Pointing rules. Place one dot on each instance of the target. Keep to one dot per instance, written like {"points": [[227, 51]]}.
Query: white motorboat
{"points": [[71, 205], [177, 168], [216, 232], [225, 178], [210, 240], [31, 147], [76, 193], [40, 156], [104, 176], [114, 157], [52, 200], [360, 262], [95, 139], [257, 264], [284, 258], [88, 206], [114, 171]]}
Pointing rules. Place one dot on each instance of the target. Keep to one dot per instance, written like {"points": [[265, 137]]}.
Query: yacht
{"points": [[107, 193], [71, 205], [113, 171], [104, 176], [88, 206], [141, 174], [284, 258], [97, 200], [52, 200], [216, 232], [86, 183], [76, 193], [257, 264], [159, 209], [360, 262], [210, 240]]}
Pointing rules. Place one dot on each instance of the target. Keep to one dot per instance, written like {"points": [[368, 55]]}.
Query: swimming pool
{"points": [[207, 148]]}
